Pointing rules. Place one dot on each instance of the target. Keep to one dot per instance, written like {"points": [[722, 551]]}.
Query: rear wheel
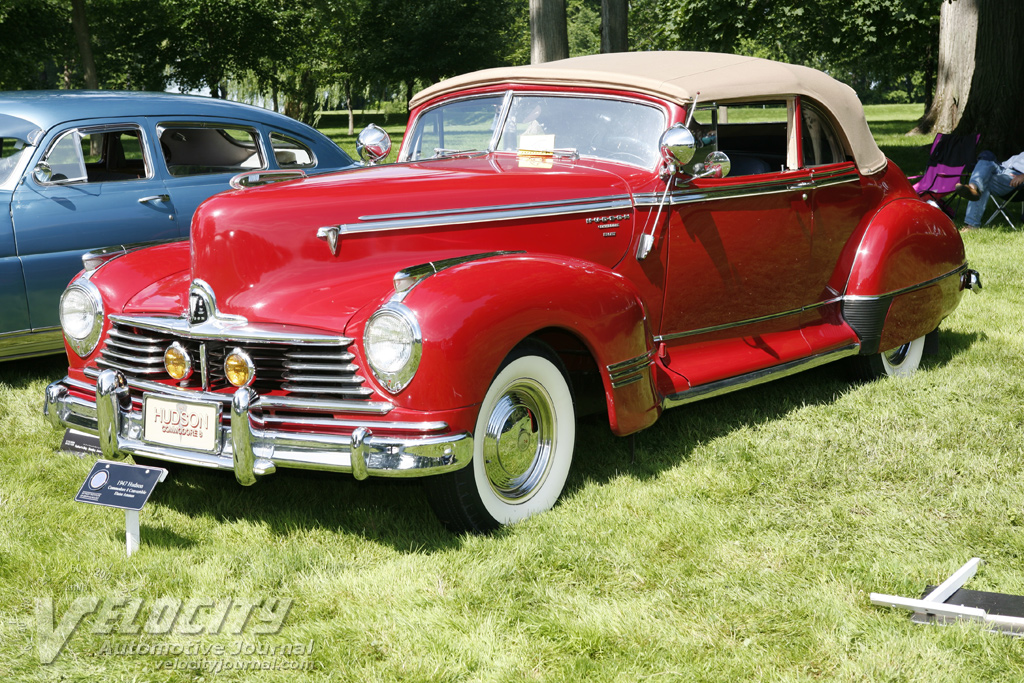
{"points": [[902, 361], [522, 448]]}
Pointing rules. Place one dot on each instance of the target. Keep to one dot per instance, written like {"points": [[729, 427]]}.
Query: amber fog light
{"points": [[239, 368], [177, 362]]}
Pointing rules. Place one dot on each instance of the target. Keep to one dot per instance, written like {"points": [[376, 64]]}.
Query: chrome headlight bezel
{"points": [[83, 341], [394, 374]]}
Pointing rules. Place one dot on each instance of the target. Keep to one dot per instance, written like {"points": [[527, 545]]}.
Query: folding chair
{"points": [[947, 159], [1002, 202]]}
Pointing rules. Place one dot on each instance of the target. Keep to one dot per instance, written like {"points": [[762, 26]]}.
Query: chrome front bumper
{"points": [[246, 447]]}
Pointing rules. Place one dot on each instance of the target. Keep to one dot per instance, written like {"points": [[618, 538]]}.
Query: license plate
{"points": [[184, 424]]}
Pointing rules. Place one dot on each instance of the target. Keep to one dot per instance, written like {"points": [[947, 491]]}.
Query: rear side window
{"points": [[201, 150], [819, 141], [290, 153]]}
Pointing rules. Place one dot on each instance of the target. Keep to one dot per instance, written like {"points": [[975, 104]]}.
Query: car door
{"points": [[199, 157], [742, 271], [94, 186]]}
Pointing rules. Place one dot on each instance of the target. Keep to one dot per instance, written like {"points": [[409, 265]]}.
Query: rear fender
{"points": [[472, 315], [906, 275]]}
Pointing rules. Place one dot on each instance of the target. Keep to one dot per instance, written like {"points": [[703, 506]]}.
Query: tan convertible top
{"points": [[677, 76]]}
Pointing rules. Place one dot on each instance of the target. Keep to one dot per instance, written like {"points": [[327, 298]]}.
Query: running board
{"points": [[750, 379]]}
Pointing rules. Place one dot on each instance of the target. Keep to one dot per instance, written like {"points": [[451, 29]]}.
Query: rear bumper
{"points": [[247, 446]]}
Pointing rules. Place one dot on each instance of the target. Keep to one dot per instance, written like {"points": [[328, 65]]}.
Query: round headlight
{"points": [[393, 342], [239, 368], [177, 361], [81, 316]]}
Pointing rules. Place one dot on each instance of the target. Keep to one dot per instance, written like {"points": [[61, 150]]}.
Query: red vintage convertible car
{"points": [[628, 232]]}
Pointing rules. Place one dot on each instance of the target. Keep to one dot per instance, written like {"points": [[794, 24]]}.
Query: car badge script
{"points": [[197, 311]]}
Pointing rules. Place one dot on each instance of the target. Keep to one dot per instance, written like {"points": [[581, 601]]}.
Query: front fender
{"points": [[906, 275], [471, 316]]}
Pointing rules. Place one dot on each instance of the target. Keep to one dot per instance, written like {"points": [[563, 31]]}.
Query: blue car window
{"points": [[290, 153], [66, 160]]}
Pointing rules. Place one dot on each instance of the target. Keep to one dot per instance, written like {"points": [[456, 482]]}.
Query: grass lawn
{"points": [[741, 544]]}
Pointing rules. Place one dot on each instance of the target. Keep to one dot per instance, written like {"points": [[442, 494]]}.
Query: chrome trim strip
{"points": [[756, 377], [423, 427], [749, 321], [226, 330], [629, 371], [269, 402], [29, 343], [474, 209], [911, 288], [407, 278], [747, 189], [490, 213]]}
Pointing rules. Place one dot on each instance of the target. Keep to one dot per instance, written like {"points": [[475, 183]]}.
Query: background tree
{"points": [[614, 25], [81, 27], [981, 74], [549, 34]]}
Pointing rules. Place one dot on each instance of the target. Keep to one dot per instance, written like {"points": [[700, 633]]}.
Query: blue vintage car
{"points": [[84, 170]]}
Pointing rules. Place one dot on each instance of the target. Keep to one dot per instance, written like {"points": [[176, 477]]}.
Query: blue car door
{"points": [[92, 187], [199, 158]]}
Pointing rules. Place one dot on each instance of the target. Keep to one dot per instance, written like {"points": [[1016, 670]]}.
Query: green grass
{"points": [[741, 544]]}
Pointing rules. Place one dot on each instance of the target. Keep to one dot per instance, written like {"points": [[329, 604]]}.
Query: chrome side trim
{"points": [[629, 371], [313, 405], [921, 285], [407, 278], [29, 343], [747, 189], [229, 331], [750, 379], [509, 212], [749, 321]]}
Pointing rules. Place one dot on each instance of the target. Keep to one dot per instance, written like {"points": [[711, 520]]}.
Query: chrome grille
{"points": [[308, 370]]}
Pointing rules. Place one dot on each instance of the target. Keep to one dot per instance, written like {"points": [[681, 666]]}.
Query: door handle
{"points": [[155, 198]]}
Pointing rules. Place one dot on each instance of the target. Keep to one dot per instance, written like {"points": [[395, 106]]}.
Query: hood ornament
{"points": [[202, 306], [330, 233]]}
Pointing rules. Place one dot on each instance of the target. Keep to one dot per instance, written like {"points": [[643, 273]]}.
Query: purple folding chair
{"points": [[947, 159]]}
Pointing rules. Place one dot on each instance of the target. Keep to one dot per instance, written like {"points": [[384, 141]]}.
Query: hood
{"points": [[313, 251]]}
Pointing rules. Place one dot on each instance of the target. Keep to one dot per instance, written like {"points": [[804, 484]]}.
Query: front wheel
{"points": [[522, 449], [902, 361]]}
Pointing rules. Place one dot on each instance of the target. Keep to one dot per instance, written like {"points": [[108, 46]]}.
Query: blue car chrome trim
{"points": [[29, 343], [750, 379], [247, 445]]}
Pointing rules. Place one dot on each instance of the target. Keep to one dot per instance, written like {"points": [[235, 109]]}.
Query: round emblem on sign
{"points": [[99, 480]]}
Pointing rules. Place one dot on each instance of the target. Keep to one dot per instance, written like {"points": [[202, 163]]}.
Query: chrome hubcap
{"points": [[519, 441], [896, 357]]}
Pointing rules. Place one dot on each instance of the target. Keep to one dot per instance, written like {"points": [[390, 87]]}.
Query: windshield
{"points": [[606, 128]]}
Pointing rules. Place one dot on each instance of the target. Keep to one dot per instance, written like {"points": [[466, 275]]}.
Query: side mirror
{"points": [[716, 165], [677, 145], [42, 172], [373, 144]]}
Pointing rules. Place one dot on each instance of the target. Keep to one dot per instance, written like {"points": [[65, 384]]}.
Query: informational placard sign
{"points": [[121, 485], [80, 442]]}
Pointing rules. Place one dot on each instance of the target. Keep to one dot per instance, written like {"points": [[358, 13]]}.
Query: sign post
{"points": [[125, 486]]}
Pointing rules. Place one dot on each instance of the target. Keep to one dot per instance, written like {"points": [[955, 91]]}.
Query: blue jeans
{"points": [[989, 177]]}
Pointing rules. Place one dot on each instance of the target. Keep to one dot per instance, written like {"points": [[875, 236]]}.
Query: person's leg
{"points": [[981, 179]]}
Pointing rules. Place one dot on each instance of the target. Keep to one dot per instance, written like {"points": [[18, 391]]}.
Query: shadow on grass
{"points": [[395, 512], [19, 374]]}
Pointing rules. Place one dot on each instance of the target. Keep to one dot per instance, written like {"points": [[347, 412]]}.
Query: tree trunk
{"points": [[81, 27], [614, 25], [549, 31], [348, 106], [995, 107], [980, 86]]}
